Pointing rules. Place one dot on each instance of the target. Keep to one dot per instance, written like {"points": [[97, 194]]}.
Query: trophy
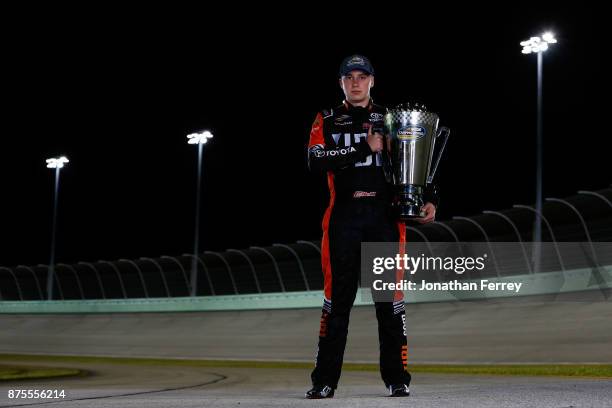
{"points": [[414, 134]]}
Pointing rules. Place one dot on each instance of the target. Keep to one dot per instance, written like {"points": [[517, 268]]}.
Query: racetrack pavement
{"points": [[150, 386], [530, 330]]}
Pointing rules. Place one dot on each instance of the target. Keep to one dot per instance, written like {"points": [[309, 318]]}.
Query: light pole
{"points": [[56, 163], [538, 45], [200, 139]]}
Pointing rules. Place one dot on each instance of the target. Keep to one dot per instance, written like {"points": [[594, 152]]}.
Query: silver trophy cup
{"points": [[414, 134]]}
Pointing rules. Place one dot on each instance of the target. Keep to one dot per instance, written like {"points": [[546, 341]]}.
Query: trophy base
{"points": [[410, 212], [410, 203]]}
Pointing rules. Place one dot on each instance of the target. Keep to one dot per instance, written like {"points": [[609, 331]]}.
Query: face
{"points": [[356, 87]]}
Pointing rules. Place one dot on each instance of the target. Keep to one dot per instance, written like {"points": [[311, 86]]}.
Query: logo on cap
{"points": [[357, 62]]}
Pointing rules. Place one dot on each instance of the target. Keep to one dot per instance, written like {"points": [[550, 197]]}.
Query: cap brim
{"points": [[347, 70]]}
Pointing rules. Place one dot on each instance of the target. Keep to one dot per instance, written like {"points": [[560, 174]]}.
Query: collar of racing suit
{"points": [[350, 106]]}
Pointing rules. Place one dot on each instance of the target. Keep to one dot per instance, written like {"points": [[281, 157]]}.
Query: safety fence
{"points": [[586, 217]]}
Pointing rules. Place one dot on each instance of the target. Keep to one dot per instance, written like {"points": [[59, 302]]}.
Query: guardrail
{"points": [[549, 283]]}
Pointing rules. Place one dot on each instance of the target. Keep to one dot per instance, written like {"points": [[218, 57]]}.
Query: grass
{"points": [[13, 372], [565, 370]]}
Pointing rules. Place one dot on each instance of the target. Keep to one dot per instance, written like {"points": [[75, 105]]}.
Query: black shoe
{"points": [[399, 390], [320, 391]]}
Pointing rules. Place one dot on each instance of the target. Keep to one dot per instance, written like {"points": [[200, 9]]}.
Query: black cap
{"points": [[356, 62]]}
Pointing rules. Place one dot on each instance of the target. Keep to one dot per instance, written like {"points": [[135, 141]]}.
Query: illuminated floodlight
{"points": [[57, 162], [199, 138]]}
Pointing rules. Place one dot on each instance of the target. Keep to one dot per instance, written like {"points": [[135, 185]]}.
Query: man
{"points": [[343, 144]]}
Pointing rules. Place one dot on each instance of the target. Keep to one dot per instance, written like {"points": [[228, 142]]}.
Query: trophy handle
{"points": [[443, 132]]}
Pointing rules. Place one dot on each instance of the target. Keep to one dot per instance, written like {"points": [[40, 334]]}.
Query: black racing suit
{"points": [[359, 210]]}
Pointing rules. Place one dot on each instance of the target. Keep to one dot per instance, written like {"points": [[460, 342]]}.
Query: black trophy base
{"points": [[410, 202], [410, 212]]}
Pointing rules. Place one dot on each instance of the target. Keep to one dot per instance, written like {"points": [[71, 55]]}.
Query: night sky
{"points": [[118, 92]]}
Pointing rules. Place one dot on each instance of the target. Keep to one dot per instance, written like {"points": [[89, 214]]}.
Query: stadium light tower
{"points": [[538, 45], [56, 163], [200, 139]]}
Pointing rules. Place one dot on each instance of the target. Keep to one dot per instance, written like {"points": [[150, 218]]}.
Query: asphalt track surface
{"points": [[117, 385], [517, 331], [574, 329]]}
